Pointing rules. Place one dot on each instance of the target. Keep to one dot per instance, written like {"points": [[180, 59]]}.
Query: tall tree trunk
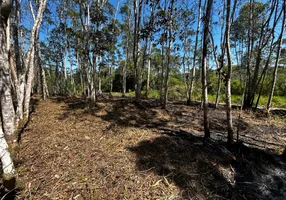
{"points": [[204, 67], [151, 22], [162, 72], [41, 70], [7, 109], [124, 74], [30, 57], [110, 80], [71, 71], [277, 58], [191, 87], [247, 97], [230, 131], [149, 67], [168, 66], [8, 113], [125, 67], [219, 64], [19, 65], [136, 50]]}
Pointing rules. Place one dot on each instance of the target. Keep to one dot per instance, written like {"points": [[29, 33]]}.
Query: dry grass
{"points": [[120, 149]]}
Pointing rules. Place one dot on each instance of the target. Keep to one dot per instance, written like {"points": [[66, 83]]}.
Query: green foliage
{"points": [[177, 92], [154, 94], [236, 87], [241, 24]]}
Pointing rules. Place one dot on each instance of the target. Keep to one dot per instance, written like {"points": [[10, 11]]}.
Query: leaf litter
{"points": [[122, 149]]}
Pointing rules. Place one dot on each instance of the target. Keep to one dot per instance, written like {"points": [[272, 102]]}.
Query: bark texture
{"points": [[8, 113]]}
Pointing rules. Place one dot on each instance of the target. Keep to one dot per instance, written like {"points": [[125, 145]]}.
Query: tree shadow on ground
{"points": [[34, 102], [124, 112], [127, 112], [207, 169]]}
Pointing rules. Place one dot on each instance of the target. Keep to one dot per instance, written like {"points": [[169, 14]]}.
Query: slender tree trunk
{"points": [[19, 64], [277, 58], [149, 67], [219, 64], [137, 20], [191, 88], [247, 97], [125, 67], [168, 66], [228, 78], [110, 80], [204, 67], [71, 71], [41, 70], [99, 80], [124, 72], [162, 73], [30, 57]]}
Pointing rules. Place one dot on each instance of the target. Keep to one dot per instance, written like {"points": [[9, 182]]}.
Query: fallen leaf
{"points": [[86, 137]]}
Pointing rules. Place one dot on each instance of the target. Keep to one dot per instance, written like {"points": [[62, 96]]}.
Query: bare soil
{"points": [[121, 149]]}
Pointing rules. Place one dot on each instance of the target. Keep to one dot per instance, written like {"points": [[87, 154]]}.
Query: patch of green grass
{"points": [[119, 94], [278, 101]]}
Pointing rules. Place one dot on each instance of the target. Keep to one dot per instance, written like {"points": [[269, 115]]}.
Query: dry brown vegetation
{"points": [[120, 149]]}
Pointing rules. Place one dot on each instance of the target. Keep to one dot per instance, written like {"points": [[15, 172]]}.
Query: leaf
{"points": [[87, 137]]}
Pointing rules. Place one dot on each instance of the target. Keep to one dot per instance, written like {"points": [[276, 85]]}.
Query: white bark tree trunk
{"points": [[228, 78], [30, 57], [8, 113], [149, 67], [7, 108], [7, 163]]}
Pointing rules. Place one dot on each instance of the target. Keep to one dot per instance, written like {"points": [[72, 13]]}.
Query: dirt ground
{"points": [[120, 149]]}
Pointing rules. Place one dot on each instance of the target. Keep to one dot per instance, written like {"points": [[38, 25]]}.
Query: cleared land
{"points": [[121, 149]]}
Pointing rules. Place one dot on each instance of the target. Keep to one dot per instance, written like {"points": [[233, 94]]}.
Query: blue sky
{"points": [[216, 30]]}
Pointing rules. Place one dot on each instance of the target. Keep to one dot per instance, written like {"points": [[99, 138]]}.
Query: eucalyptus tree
{"points": [[190, 87], [170, 41], [206, 17], [137, 16], [7, 116], [126, 27], [253, 30], [7, 109], [31, 53], [229, 16], [148, 32]]}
